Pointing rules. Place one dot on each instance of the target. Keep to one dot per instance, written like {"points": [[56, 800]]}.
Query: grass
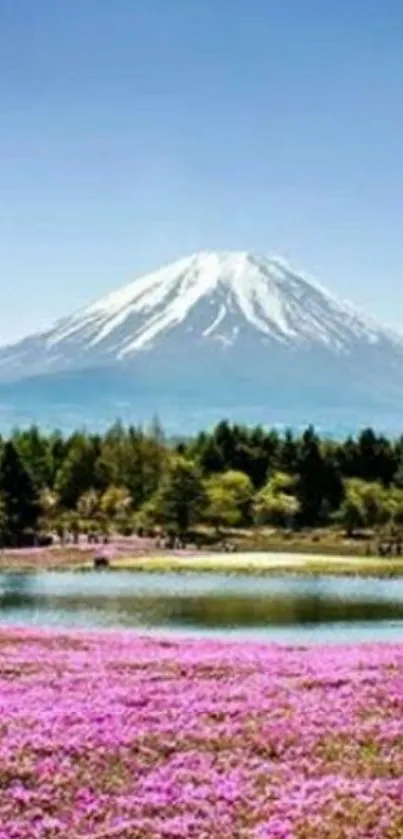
{"points": [[325, 551], [238, 563], [325, 541], [258, 564]]}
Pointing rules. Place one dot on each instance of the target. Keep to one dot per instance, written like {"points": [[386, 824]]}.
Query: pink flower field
{"points": [[111, 735]]}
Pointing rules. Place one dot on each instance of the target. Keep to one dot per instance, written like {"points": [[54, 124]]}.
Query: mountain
{"points": [[213, 334]]}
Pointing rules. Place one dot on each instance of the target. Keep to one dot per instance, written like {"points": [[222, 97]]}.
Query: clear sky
{"points": [[133, 132]]}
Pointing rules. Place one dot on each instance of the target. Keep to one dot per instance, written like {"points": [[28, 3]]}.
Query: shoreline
{"points": [[261, 563]]}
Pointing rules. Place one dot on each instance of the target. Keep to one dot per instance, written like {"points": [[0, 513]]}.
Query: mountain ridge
{"points": [[215, 330], [229, 290]]}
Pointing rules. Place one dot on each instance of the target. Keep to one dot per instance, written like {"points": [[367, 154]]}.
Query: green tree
{"points": [[375, 458], [49, 504], [180, 499], [375, 500], [209, 455], [394, 505], [276, 503], [115, 502], [352, 511], [88, 504], [228, 499], [288, 455], [319, 487], [77, 473], [19, 497], [35, 450], [116, 507], [366, 504], [132, 459], [3, 521]]}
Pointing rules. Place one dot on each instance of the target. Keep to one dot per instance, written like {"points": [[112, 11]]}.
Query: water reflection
{"points": [[283, 608]]}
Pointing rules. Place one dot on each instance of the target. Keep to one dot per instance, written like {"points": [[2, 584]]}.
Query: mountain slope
{"points": [[215, 332]]}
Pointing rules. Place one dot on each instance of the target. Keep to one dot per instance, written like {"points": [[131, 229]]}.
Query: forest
{"points": [[133, 479]]}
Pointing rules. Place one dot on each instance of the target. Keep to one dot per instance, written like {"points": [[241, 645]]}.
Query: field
{"points": [[132, 556], [107, 736]]}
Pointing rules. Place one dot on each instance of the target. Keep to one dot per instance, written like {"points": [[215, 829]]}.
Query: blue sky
{"points": [[136, 131]]}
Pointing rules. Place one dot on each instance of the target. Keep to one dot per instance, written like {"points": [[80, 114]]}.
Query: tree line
{"points": [[134, 479]]}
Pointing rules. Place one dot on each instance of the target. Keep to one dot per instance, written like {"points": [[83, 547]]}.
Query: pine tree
{"points": [[310, 486], [180, 498], [19, 496], [77, 472]]}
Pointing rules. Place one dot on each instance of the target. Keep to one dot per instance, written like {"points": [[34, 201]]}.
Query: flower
{"points": [[113, 735]]}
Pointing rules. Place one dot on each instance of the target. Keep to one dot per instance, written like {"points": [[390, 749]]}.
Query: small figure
{"points": [[101, 563]]}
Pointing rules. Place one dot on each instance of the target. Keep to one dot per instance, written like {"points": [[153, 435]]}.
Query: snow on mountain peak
{"points": [[235, 290], [221, 299], [215, 334]]}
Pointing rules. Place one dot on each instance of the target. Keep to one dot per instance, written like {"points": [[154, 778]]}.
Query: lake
{"points": [[283, 608]]}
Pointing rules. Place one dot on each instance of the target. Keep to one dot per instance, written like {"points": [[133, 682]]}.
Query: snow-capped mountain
{"points": [[210, 298], [213, 330]]}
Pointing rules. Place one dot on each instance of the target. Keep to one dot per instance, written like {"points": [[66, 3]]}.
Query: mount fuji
{"points": [[215, 334]]}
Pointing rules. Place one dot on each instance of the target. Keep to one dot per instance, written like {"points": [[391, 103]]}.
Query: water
{"points": [[289, 609]]}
